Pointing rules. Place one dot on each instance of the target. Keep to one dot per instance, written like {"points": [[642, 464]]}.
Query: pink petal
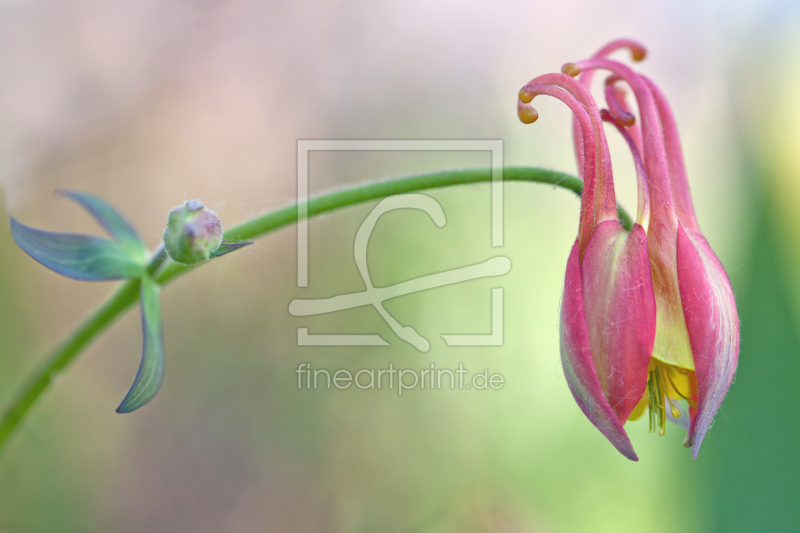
{"points": [[576, 359], [713, 325], [620, 311]]}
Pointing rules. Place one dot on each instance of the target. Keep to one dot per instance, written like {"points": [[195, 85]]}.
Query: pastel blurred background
{"points": [[152, 103]]}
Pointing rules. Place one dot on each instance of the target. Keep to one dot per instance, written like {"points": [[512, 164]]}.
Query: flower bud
{"points": [[193, 233]]}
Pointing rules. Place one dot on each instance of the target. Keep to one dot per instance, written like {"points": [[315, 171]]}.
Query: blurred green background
{"points": [[151, 103]]}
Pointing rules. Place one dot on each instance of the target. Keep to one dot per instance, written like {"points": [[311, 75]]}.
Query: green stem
{"points": [[126, 295]]}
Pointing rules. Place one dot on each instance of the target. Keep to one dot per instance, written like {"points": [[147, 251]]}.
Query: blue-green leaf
{"points": [[151, 369], [82, 257], [107, 216], [228, 247]]}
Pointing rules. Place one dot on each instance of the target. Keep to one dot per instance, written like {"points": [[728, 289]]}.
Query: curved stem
{"points": [[166, 270]]}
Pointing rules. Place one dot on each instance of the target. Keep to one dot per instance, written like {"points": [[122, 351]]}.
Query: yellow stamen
{"points": [[661, 389], [676, 413]]}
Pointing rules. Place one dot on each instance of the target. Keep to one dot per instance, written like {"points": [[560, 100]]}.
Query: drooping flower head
{"points": [[695, 345]]}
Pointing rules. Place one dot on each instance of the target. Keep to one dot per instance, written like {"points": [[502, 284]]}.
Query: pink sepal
{"points": [[713, 326], [576, 359]]}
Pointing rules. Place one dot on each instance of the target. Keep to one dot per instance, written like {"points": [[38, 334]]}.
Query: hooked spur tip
{"points": [[526, 113], [571, 69], [626, 119], [618, 115], [615, 95], [526, 94]]}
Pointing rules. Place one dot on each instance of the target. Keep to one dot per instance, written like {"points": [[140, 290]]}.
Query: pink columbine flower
{"points": [[648, 316]]}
